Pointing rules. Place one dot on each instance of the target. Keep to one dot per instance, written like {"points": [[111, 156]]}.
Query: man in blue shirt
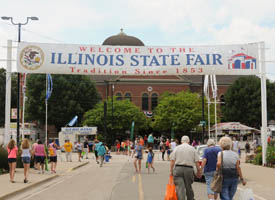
{"points": [[209, 164]]}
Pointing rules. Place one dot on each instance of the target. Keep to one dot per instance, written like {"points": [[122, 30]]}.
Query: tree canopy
{"points": [[182, 110], [243, 101], [124, 112], [3, 94], [72, 95]]}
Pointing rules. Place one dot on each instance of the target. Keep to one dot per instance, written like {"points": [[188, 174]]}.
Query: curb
{"points": [[38, 183], [74, 168], [27, 187]]}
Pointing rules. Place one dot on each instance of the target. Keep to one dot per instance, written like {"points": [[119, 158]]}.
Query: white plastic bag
{"points": [[246, 194]]}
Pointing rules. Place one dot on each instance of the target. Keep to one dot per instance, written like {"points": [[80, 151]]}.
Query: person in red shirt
{"points": [[145, 139], [118, 147], [12, 152]]}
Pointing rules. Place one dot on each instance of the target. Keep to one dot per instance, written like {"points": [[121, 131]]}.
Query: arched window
{"points": [[119, 96], [154, 100], [128, 96], [145, 101]]}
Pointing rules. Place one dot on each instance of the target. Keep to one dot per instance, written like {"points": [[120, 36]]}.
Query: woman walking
{"points": [[40, 154], [12, 152], [79, 149], [150, 159], [53, 156], [209, 164], [26, 158], [138, 152], [229, 161]]}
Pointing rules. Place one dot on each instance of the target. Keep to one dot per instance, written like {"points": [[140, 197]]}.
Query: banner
{"points": [[76, 59]]}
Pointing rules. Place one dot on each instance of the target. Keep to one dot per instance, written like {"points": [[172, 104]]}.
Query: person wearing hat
{"points": [[209, 165], [68, 146]]}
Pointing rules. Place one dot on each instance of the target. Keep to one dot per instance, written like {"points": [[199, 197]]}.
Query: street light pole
{"points": [[18, 74]]}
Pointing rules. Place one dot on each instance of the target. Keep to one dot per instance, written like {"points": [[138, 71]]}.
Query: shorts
{"points": [[79, 151], [208, 179], [53, 159], [26, 160], [96, 154], [139, 157], [40, 159], [11, 160]]}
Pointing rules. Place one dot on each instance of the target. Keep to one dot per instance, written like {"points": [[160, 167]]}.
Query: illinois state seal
{"points": [[31, 57]]}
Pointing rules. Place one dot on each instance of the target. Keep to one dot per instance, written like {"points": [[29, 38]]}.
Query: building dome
{"points": [[122, 39]]}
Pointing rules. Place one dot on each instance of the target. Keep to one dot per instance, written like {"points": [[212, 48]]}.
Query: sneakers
{"points": [[25, 180]]}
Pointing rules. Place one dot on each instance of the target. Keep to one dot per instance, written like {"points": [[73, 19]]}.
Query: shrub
{"points": [[4, 166], [270, 155], [258, 160]]}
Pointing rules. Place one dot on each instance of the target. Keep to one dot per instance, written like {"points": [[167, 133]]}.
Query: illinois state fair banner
{"points": [[239, 59]]}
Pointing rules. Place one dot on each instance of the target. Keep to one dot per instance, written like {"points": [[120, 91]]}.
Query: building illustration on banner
{"points": [[242, 61]]}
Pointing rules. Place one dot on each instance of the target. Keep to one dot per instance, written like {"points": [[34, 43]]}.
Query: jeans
{"points": [[208, 179], [229, 188]]}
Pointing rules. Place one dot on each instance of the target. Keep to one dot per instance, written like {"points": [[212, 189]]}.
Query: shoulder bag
{"points": [[216, 184]]}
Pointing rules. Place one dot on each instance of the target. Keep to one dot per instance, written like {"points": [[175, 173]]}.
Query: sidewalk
{"points": [[8, 189]]}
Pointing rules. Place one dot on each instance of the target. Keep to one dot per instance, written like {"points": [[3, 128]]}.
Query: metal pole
{"points": [[263, 101], [209, 121], [6, 137], [18, 92], [216, 131], [24, 96], [46, 121], [202, 102], [112, 110]]}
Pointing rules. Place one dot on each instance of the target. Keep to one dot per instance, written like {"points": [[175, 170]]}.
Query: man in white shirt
{"points": [[173, 145], [183, 158], [235, 146]]}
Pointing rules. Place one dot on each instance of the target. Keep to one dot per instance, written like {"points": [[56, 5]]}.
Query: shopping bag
{"points": [[216, 184], [246, 194], [171, 190], [146, 165]]}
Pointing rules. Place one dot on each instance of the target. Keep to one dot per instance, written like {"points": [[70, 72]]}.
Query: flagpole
{"points": [[46, 122], [24, 96], [216, 120]]}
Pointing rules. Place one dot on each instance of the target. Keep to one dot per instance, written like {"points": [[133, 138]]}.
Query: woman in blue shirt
{"points": [[209, 165], [138, 153]]}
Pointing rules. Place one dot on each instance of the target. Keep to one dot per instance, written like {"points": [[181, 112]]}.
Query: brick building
{"points": [[144, 91]]}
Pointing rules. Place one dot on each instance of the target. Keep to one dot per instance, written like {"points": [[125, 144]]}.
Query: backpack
{"points": [[246, 145]]}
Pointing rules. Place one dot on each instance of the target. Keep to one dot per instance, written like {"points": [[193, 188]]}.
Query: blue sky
{"points": [[155, 22]]}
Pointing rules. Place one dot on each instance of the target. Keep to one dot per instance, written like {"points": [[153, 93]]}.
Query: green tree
{"points": [[182, 109], [72, 95], [3, 94], [124, 112], [243, 101]]}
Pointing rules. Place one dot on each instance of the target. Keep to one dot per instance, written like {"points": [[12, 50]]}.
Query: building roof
{"points": [[122, 39]]}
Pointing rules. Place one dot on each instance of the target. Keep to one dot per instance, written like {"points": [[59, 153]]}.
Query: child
{"points": [[150, 159]]}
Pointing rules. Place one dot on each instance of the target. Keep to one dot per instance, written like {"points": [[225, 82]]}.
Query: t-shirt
{"points": [[101, 150], [12, 152], [52, 150], [173, 145], [150, 139], [210, 154], [184, 154], [97, 145], [138, 149], [39, 150], [230, 159], [86, 145], [26, 153], [68, 146], [150, 157]]}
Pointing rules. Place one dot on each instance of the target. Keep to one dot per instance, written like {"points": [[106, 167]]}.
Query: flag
{"points": [[49, 87], [205, 87], [73, 121], [132, 130]]}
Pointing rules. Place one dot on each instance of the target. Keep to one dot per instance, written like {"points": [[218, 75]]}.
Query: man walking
{"points": [[68, 146], [183, 158]]}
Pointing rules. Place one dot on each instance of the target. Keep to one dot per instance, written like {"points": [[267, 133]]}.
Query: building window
{"points": [[154, 100], [145, 101], [128, 96], [119, 96]]}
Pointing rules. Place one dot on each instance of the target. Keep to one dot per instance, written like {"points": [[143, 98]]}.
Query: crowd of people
{"points": [[42, 154], [183, 158]]}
